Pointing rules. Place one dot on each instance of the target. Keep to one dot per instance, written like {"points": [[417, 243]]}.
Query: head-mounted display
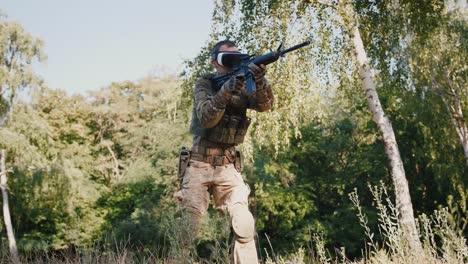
{"points": [[230, 59]]}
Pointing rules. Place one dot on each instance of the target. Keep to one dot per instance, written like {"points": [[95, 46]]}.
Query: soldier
{"points": [[219, 123]]}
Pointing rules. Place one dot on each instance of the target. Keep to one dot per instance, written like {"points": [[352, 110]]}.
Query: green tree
{"points": [[437, 64], [59, 152], [414, 46], [18, 49]]}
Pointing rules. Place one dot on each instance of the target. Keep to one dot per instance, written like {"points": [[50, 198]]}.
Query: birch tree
{"points": [[6, 210], [419, 51], [18, 49], [438, 64], [403, 198]]}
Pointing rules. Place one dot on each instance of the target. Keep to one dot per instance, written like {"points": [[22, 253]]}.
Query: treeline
{"points": [[92, 170], [84, 167]]}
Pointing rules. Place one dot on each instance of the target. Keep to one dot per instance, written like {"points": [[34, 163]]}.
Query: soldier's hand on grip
{"points": [[258, 72], [235, 83]]}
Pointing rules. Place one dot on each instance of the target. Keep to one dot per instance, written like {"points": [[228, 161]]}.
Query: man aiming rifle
{"points": [[219, 123]]}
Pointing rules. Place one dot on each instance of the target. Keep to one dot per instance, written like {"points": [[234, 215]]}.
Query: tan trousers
{"points": [[230, 195]]}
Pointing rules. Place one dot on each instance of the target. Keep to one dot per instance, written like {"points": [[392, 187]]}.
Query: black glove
{"points": [[235, 84], [258, 72]]}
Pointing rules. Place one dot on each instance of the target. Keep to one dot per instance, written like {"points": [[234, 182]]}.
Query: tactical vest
{"points": [[232, 127]]}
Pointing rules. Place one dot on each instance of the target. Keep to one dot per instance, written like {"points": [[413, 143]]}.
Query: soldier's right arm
{"points": [[209, 106]]}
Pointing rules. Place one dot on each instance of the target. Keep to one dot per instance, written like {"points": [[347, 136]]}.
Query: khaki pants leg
{"points": [[231, 195], [194, 193]]}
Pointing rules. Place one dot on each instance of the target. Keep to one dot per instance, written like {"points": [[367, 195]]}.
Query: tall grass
{"points": [[441, 242]]}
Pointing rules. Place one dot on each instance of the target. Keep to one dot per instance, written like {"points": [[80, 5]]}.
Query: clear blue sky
{"points": [[90, 44]]}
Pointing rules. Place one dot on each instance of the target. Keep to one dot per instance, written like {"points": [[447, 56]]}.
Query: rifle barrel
{"points": [[298, 46]]}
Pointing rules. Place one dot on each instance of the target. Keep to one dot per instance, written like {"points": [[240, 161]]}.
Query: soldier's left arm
{"points": [[263, 98]]}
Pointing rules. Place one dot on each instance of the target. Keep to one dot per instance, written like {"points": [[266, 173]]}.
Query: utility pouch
{"points": [[220, 133], [184, 159], [232, 128], [242, 130], [238, 161]]}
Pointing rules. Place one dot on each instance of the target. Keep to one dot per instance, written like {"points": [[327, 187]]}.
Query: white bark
{"points": [[403, 199], [6, 210], [452, 101]]}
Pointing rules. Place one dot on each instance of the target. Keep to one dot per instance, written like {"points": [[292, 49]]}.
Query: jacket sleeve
{"points": [[263, 98], [209, 106]]}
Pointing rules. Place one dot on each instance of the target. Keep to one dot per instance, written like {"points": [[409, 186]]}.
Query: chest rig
{"points": [[232, 127]]}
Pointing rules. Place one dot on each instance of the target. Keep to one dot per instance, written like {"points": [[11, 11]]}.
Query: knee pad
{"points": [[243, 223]]}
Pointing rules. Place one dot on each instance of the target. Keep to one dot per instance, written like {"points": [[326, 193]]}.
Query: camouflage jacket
{"points": [[214, 127]]}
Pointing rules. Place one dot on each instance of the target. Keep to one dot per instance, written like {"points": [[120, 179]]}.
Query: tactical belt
{"points": [[213, 156]]}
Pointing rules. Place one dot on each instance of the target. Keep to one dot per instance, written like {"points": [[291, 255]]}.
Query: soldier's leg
{"points": [[231, 195], [194, 194]]}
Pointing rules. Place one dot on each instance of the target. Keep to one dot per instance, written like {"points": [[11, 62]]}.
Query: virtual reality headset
{"points": [[230, 59]]}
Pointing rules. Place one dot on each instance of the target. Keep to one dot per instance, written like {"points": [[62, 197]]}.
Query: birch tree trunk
{"points": [[451, 98], [402, 195], [456, 92], [403, 199], [6, 210]]}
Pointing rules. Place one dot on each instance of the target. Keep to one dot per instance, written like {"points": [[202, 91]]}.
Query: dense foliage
{"points": [[89, 170]]}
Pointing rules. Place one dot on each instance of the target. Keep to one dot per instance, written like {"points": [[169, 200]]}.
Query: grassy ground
{"points": [[441, 243]]}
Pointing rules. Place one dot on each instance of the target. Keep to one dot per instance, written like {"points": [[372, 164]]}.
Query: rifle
{"points": [[242, 68]]}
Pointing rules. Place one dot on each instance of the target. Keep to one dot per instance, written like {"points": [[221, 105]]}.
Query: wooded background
{"points": [[86, 170]]}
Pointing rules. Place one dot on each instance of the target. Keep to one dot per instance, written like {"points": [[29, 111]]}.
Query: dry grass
{"points": [[441, 243]]}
